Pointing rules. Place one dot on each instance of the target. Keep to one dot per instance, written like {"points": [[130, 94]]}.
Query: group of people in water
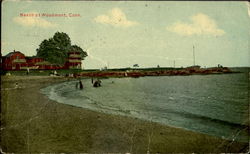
{"points": [[96, 83]]}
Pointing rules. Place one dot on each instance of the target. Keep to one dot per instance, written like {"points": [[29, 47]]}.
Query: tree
{"points": [[55, 49], [78, 49], [62, 41]]}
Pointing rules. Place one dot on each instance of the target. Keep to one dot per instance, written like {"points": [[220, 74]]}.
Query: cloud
{"points": [[4, 43], [115, 17], [201, 25], [33, 21]]}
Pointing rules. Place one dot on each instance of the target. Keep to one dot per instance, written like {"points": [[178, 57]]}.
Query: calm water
{"points": [[210, 104]]}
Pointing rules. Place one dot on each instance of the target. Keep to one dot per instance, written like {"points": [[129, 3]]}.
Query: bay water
{"points": [[217, 105]]}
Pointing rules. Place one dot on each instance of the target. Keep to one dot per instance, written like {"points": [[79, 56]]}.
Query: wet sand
{"points": [[30, 122]]}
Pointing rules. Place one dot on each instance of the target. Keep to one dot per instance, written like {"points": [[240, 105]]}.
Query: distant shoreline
{"points": [[127, 72], [156, 72]]}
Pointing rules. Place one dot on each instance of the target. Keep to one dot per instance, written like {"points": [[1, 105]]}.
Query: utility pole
{"points": [[193, 55]]}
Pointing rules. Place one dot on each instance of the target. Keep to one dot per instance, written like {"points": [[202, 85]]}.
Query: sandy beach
{"points": [[30, 122]]}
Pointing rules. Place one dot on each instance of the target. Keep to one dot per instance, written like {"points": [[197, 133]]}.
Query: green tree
{"points": [[55, 49], [62, 41], [79, 49]]}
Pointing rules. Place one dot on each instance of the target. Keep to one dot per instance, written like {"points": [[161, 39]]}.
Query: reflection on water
{"points": [[211, 104]]}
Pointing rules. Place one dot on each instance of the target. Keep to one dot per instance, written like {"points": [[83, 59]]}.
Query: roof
{"points": [[72, 52], [11, 53], [43, 63], [31, 57]]}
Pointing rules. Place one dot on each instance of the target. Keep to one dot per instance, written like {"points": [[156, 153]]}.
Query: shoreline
{"points": [[43, 125]]}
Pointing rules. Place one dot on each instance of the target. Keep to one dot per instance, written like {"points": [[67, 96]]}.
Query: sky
{"points": [[119, 34]]}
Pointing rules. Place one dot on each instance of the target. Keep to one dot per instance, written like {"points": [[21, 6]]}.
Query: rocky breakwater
{"points": [[141, 73]]}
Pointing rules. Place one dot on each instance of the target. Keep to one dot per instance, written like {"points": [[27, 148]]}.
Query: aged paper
{"points": [[124, 76]]}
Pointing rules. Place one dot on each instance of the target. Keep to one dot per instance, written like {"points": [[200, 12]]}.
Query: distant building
{"points": [[194, 67], [135, 65], [74, 60], [18, 61], [34, 61], [14, 61]]}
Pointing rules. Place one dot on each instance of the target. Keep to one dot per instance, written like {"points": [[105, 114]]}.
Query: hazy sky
{"points": [[123, 33]]}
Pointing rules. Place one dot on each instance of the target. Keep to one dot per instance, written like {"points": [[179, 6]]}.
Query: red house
{"points": [[17, 61], [14, 61], [33, 60], [74, 60]]}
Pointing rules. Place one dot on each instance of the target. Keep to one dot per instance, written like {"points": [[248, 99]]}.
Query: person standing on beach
{"points": [[16, 85], [28, 71]]}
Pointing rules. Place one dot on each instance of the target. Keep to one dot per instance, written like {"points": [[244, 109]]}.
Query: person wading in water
{"points": [[97, 83], [81, 85]]}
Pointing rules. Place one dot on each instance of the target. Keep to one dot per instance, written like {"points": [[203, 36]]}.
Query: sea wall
{"points": [[141, 73]]}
